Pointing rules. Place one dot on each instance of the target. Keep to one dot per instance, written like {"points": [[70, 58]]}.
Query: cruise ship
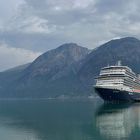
{"points": [[118, 83]]}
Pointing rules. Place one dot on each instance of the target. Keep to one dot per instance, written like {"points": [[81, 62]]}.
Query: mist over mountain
{"points": [[68, 71]]}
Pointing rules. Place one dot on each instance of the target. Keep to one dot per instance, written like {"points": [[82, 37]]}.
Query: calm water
{"points": [[68, 120]]}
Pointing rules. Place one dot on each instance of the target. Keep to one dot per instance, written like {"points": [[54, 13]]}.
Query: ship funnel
{"points": [[139, 76], [119, 63]]}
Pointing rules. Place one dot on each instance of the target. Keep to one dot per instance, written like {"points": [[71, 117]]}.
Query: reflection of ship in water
{"points": [[117, 121]]}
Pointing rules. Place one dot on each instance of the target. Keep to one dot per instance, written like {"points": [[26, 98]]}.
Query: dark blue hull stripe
{"points": [[117, 95]]}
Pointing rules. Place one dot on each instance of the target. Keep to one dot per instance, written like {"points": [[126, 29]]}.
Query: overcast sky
{"points": [[31, 27]]}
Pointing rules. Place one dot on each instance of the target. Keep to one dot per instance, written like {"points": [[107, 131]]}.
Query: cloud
{"points": [[60, 12], [8, 9], [31, 26], [11, 57], [46, 24]]}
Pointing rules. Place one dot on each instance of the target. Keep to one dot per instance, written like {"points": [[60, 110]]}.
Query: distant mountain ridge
{"points": [[69, 70]]}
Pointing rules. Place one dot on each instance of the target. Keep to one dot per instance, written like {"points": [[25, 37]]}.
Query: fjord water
{"points": [[68, 120]]}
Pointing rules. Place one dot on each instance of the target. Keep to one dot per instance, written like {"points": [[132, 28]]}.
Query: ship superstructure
{"points": [[115, 82]]}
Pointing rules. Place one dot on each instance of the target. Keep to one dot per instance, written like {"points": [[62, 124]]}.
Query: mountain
{"points": [[125, 49], [69, 70], [9, 77], [57, 62], [51, 75], [18, 68]]}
